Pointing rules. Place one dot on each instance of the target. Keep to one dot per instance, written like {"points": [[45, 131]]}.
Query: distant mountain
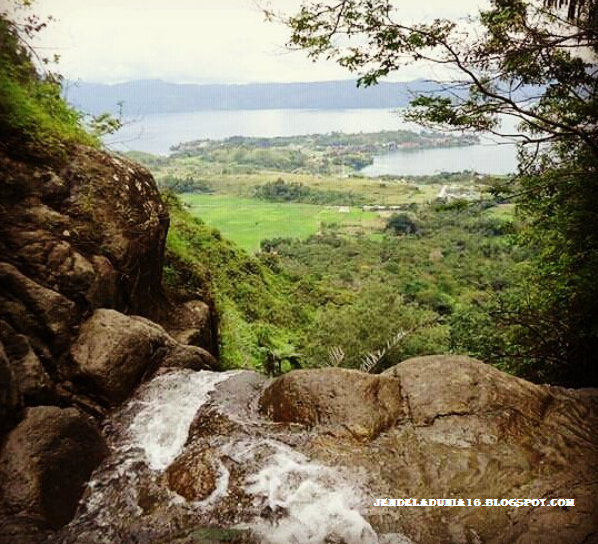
{"points": [[155, 96]]}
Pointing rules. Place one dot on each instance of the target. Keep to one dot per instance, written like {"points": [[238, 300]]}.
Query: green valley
{"points": [[335, 268]]}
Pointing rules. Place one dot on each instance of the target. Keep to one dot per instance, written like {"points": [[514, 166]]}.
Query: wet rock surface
{"points": [[474, 432], [454, 435]]}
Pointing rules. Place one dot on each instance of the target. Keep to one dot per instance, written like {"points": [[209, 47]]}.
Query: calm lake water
{"points": [[157, 133]]}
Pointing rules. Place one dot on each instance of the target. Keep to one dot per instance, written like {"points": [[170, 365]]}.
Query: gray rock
{"points": [[193, 323]]}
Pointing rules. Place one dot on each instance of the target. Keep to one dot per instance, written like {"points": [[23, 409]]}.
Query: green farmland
{"points": [[247, 221]]}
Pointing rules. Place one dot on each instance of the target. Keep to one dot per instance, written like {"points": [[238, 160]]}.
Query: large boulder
{"points": [[360, 403], [469, 389], [455, 428], [44, 466], [113, 352]]}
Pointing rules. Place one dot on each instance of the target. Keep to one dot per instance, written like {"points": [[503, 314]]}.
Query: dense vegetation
{"points": [[537, 63], [333, 298], [280, 191]]}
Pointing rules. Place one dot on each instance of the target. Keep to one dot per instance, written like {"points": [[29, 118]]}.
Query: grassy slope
{"points": [[256, 308]]}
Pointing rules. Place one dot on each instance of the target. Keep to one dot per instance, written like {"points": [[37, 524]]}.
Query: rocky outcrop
{"points": [[44, 466], [113, 352], [81, 245], [467, 431], [81, 256], [74, 237], [92, 229]]}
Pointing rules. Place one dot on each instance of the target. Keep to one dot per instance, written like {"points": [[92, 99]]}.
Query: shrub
{"points": [[402, 223]]}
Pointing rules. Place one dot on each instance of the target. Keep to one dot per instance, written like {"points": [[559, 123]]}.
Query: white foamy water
{"points": [[292, 499], [307, 503], [168, 406]]}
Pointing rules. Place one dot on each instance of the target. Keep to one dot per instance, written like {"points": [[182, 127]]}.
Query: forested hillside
{"points": [[550, 324]]}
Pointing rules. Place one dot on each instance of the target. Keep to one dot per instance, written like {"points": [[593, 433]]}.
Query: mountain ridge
{"points": [[141, 97]]}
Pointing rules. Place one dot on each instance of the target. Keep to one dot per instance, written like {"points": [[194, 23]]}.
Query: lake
{"points": [[158, 132]]}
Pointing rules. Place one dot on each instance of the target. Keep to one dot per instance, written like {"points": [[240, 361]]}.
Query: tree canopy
{"points": [[534, 61]]}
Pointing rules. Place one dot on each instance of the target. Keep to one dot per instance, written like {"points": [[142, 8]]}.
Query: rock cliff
{"points": [[81, 256]]}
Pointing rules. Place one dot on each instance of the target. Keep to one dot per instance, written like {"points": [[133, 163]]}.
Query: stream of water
{"points": [[287, 498]]}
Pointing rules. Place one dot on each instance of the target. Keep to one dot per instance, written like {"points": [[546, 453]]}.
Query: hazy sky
{"points": [[192, 41]]}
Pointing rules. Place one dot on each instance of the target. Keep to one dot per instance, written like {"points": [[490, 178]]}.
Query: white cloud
{"points": [[226, 41]]}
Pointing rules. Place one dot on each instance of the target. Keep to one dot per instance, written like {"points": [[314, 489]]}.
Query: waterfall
{"points": [[166, 409], [285, 496], [315, 501]]}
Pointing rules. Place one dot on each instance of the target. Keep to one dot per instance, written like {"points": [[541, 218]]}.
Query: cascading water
{"points": [[316, 502], [262, 487], [167, 408]]}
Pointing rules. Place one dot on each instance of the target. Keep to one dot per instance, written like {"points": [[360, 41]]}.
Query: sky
{"points": [[194, 41]]}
